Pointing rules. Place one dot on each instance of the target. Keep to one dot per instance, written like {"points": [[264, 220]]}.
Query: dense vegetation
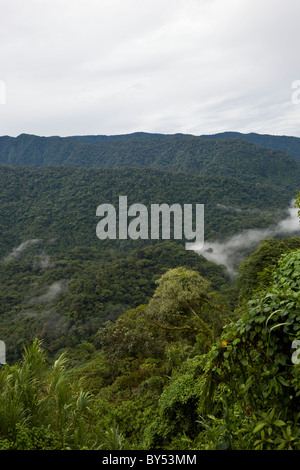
{"points": [[180, 153], [67, 299], [58, 205], [180, 372], [288, 144], [142, 344]]}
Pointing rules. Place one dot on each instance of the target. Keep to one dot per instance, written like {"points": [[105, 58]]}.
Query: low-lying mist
{"points": [[230, 252]]}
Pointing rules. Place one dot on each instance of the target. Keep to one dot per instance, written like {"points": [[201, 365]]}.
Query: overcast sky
{"points": [[70, 67]]}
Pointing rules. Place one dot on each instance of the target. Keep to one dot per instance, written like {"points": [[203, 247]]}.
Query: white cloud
{"points": [[16, 252], [52, 292], [229, 252], [117, 66]]}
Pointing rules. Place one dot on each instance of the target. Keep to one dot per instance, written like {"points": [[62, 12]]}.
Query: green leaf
{"points": [[259, 426], [283, 381], [279, 422]]}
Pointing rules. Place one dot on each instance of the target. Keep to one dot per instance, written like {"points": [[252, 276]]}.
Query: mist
{"points": [[16, 252], [52, 292], [42, 262], [229, 252]]}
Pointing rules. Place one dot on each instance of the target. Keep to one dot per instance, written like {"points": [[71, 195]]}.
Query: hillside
{"points": [[60, 203], [68, 280], [126, 341], [180, 153], [288, 144]]}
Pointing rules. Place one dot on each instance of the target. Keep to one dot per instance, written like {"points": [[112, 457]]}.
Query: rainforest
{"points": [[138, 343]]}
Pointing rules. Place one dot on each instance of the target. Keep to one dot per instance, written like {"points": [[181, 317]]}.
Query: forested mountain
{"points": [[236, 158], [171, 352], [64, 273], [61, 202], [288, 144]]}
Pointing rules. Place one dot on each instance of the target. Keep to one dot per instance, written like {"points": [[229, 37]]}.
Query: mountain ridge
{"points": [[180, 153]]}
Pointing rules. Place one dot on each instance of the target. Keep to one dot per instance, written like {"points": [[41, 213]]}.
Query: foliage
{"points": [[255, 273], [253, 357], [142, 344], [156, 390], [59, 203], [39, 408], [179, 153], [288, 144], [94, 288]]}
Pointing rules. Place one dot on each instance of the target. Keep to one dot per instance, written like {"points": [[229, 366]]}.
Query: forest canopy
{"points": [[144, 344]]}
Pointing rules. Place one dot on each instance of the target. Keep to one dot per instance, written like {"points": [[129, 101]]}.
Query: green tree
{"points": [[183, 306], [253, 361], [255, 273]]}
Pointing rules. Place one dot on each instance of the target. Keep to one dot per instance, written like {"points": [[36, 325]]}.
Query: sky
{"points": [[90, 67]]}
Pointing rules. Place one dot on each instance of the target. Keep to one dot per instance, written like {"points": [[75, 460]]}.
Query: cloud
{"points": [[229, 252], [16, 252], [46, 322], [117, 66], [51, 293], [42, 262]]}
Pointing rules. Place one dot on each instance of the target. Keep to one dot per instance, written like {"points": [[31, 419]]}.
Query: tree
{"points": [[255, 273], [183, 308], [252, 362], [130, 337]]}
